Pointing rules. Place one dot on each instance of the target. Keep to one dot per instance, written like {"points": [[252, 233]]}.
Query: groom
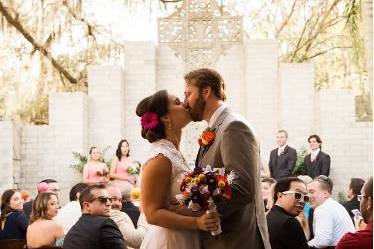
{"points": [[234, 148]]}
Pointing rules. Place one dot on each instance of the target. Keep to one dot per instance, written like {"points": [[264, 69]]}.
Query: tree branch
{"points": [[324, 52], [37, 46], [285, 21]]}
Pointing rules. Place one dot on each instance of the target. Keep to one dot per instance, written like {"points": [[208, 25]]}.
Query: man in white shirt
{"points": [[331, 220], [133, 236], [69, 214]]}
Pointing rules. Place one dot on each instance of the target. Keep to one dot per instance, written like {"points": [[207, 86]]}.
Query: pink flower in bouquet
{"points": [[200, 186]]}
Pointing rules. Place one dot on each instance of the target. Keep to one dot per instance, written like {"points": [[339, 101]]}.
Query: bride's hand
{"points": [[208, 221]]}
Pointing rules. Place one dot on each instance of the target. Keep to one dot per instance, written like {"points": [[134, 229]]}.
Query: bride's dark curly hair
{"points": [[158, 104]]}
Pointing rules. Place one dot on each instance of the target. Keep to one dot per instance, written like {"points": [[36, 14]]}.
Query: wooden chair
{"points": [[43, 247], [12, 244]]}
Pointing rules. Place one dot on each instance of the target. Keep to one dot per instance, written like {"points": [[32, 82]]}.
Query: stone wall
{"points": [[270, 95]]}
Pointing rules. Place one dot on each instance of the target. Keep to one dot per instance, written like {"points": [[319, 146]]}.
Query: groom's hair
{"points": [[204, 77]]}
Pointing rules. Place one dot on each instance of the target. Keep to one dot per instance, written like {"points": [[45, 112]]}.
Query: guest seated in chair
{"points": [[43, 231], [13, 221], [94, 229]]}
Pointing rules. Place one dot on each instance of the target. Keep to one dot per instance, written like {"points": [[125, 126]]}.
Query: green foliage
{"points": [[81, 159], [342, 197], [300, 161]]}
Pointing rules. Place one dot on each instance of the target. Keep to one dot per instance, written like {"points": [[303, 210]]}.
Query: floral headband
{"points": [[149, 120]]}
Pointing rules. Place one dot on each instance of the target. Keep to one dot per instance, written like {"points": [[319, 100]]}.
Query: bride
{"points": [[162, 118]]}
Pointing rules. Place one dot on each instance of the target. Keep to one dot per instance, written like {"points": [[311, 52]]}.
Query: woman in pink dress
{"points": [[95, 171], [119, 170]]}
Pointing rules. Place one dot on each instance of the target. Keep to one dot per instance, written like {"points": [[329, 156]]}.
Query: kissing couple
{"points": [[233, 147]]}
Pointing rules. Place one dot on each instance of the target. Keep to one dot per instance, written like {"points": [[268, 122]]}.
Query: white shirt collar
{"points": [[282, 147], [216, 114], [315, 152]]}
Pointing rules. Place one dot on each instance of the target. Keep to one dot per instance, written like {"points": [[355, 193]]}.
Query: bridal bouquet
{"points": [[200, 186]]}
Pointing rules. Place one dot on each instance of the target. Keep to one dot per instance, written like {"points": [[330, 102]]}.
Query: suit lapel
{"points": [[216, 126]]}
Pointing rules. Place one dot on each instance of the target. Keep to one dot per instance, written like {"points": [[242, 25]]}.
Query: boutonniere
{"points": [[207, 137]]}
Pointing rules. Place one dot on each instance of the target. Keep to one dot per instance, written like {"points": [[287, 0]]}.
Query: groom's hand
{"points": [[208, 221]]}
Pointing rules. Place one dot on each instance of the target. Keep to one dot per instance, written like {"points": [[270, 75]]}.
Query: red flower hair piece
{"points": [[149, 120]]}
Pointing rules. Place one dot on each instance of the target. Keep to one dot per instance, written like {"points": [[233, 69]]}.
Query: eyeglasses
{"points": [[298, 196], [359, 197], [102, 199]]}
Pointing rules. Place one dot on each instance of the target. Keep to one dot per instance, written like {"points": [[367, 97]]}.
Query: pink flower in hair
{"points": [[42, 187], [149, 120]]}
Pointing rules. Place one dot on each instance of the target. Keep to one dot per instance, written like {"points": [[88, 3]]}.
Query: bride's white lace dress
{"points": [[160, 237]]}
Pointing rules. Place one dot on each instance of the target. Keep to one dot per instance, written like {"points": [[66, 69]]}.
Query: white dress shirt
{"points": [[68, 215], [313, 154], [216, 114], [331, 221], [133, 236], [281, 149]]}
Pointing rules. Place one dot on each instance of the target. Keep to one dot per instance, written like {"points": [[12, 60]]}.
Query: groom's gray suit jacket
{"points": [[243, 219]]}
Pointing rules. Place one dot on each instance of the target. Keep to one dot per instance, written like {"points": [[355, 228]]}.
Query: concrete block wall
{"points": [[296, 102], [140, 82], [261, 77], [69, 121], [348, 143], [231, 66], [9, 155], [170, 72], [38, 156], [106, 102]]}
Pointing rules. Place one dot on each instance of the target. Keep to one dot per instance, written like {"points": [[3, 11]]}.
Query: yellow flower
{"points": [[135, 194], [221, 184]]}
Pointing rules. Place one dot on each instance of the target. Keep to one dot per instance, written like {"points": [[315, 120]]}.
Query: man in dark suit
{"points": [[317, 162], [285, 231], [94, 229], [282, 159], [129, 208]]}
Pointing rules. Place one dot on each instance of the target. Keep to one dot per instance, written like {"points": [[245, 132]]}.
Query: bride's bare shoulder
{"points": [[157, 161]]}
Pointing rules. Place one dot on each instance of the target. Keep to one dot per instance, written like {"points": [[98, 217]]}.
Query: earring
{"points": [[169, 125]]}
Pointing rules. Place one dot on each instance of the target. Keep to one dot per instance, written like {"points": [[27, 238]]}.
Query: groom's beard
{"points": [[197, 111]]}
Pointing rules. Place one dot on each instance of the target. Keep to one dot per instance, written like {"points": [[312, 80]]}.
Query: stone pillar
{"points": [[69, 121], [10, 155], [140, 81], [296, 102], [106, 103], [261, 77]]}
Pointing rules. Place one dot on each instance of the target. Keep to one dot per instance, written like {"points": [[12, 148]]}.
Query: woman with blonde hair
{"points": [[95, 171], [43, 231]]}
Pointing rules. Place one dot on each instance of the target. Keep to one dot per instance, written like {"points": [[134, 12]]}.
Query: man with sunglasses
{"points": [[94, 229], [331, 220], [285, 231], [362, 239]]}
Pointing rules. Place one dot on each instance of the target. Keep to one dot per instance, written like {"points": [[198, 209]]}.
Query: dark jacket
{"points": [[132, 211], [27, 208], [320, 166], [15, 226], [351, 205], [94, 232], [281, 166], [285, 231]]}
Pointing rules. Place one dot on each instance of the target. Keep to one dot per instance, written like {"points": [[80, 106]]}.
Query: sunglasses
{"points": [[102, 199], [298, 196]]}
